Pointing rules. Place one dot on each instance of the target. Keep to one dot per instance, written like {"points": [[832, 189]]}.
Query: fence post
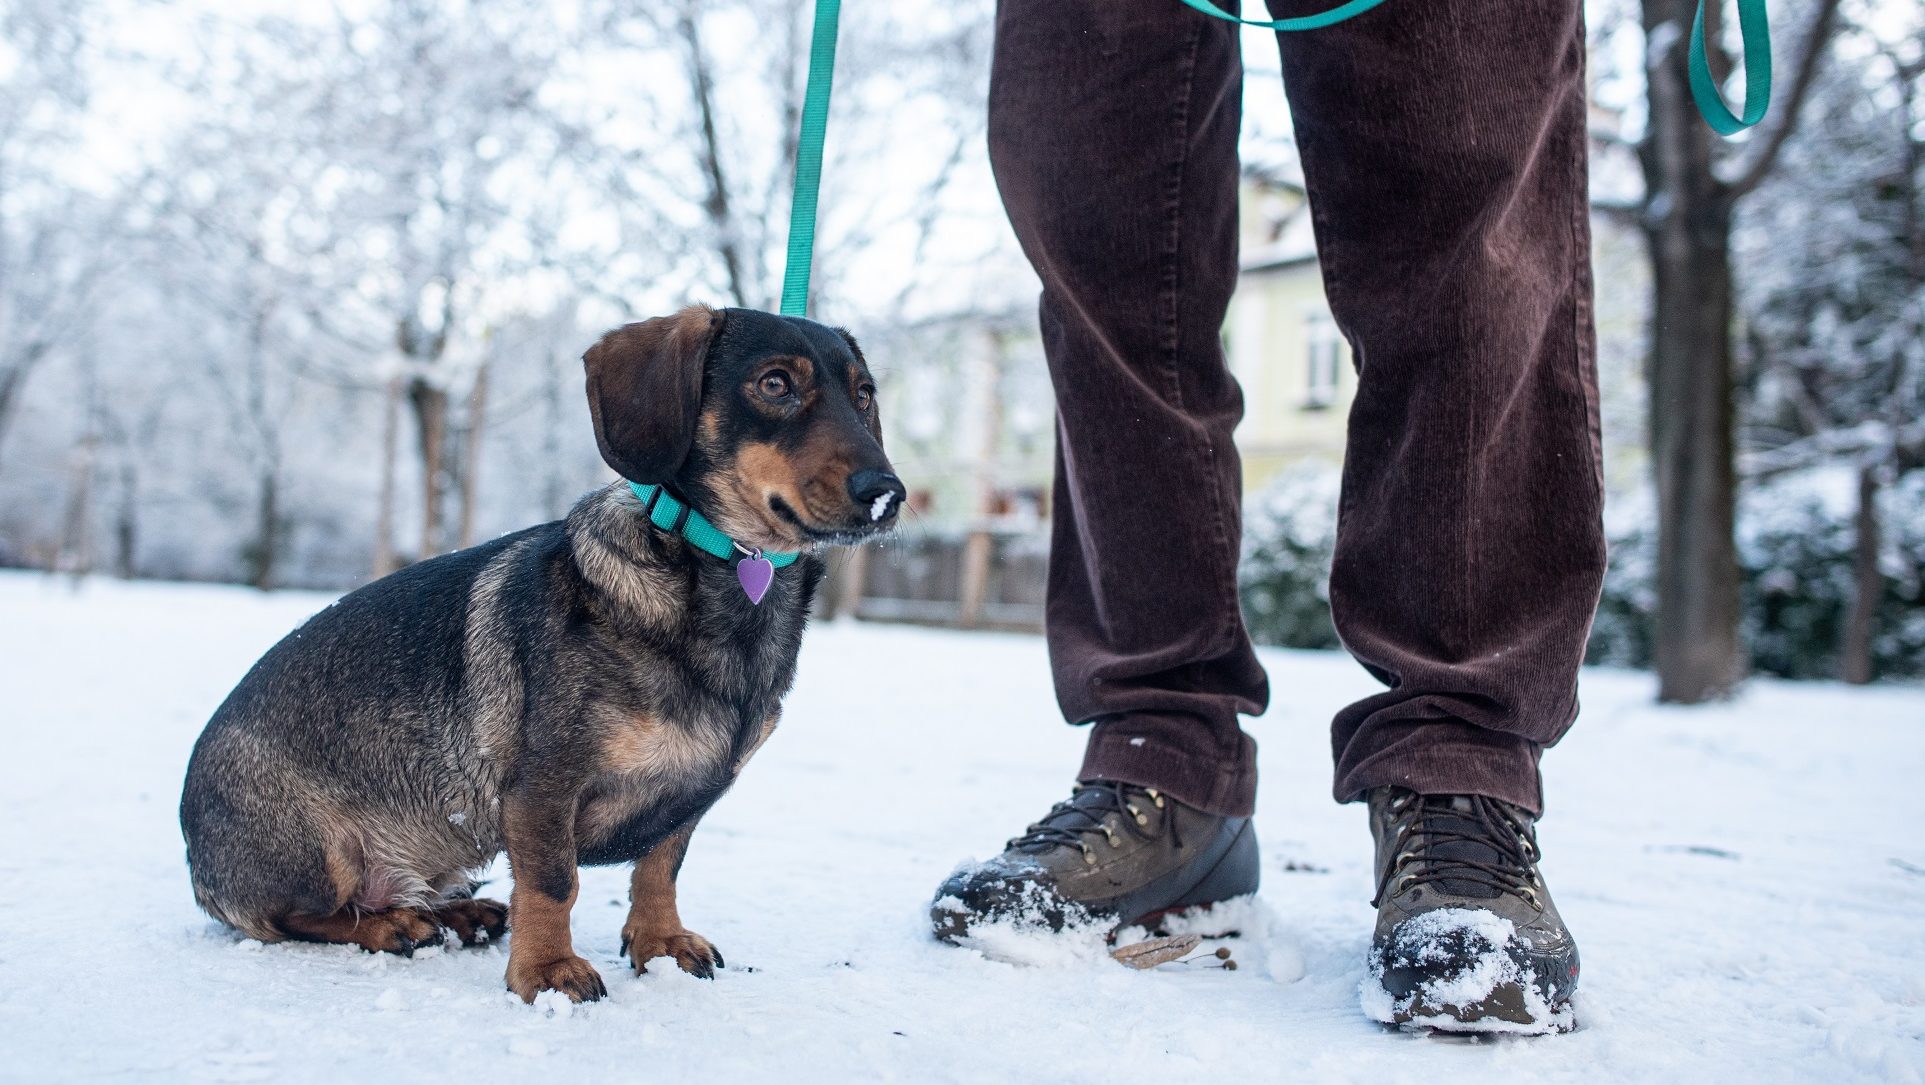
{"points": [[976, 554]]}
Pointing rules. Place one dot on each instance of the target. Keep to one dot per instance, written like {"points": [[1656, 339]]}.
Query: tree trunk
{"points": [[471, 457], [1688, 229], [1699, 656], [430, 404], [553, 486], [76, 553], [1855, 655], [384, 556], [266, 551], [12, 381], [127, 521]]}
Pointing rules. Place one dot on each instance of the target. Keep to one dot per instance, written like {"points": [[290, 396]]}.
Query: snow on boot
{"points": [[1467, 938], [1113, 855]]}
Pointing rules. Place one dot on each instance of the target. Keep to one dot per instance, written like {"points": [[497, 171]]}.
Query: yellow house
{"points": [[1296, 369], [1283, 345]]}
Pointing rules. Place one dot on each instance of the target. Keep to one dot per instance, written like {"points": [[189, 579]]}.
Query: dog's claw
{"points": [[693, 953], [572, 976]]}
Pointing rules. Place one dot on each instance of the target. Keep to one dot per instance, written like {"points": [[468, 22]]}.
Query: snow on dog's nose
{"points": [[881, 491]]}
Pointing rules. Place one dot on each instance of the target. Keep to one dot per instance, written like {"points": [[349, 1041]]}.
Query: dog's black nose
{"points": [[879, 491]]}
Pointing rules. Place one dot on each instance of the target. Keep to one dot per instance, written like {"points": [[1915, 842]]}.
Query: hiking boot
{"points": [[1115, 854], [1467, 938]]}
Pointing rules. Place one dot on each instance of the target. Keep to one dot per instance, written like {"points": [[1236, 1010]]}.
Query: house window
{"points": [[1323, 357]]}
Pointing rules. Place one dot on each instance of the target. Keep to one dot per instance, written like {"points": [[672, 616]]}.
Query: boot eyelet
{"points": [[1142, 819], [1089, 857], [1403, 883]]}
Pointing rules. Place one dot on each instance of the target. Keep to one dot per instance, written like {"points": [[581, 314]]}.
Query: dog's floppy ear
{"points": [[645, 391]]}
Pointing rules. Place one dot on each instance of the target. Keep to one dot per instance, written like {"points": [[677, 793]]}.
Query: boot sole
{"points": [[1505, 1006]]}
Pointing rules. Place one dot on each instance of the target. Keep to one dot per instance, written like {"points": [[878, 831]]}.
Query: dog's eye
{"points": [[865, 395], [774, 384]]}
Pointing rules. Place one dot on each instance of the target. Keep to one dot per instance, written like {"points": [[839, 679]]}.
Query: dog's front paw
{"points": [[691, 951], [570, 975]]}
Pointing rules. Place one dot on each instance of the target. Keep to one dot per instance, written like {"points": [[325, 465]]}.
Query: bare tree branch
{"points": [[1817, 41]]}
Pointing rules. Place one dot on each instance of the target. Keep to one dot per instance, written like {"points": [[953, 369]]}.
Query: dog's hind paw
{"points": [[474, 921], [692, 952], [570, 975], [396, 930]]}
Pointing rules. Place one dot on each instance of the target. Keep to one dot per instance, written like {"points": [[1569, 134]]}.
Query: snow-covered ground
{"points": [[1747, 883]]}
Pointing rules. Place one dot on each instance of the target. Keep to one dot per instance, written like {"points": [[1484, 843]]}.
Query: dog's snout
{"points": [[879, 491]]}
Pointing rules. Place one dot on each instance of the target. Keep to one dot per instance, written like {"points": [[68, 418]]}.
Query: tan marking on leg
{"points": [[654, 927], [541, 953]]}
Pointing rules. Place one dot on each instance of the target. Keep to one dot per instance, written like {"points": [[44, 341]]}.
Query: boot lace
{"points": [[1482, 846], [1086, 813]]}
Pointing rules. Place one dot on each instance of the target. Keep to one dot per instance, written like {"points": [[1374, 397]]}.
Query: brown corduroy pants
{"points": [[1443, 145]]}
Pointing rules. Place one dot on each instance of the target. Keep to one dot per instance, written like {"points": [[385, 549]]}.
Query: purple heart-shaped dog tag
{"points": [[756, 574]]}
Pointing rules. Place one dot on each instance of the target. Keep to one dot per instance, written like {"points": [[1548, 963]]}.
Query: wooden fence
{"points": [[985, 579]]}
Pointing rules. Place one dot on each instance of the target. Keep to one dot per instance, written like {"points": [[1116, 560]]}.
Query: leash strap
{"points": [[808, 160], [1756, 30], [1306, 22], [673, 515], [1752, 22]]}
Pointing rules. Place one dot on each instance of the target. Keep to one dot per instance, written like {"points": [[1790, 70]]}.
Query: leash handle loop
{"points": [[1335, 15], [1756, 30], [808, 159], [1752, 22]]}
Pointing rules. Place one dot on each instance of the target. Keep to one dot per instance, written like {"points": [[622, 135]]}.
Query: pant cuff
{"points": [[1507, 771], [1196, 775]]}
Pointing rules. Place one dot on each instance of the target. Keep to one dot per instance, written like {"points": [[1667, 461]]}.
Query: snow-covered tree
{"points": [[1835, 303], [55, 231]]}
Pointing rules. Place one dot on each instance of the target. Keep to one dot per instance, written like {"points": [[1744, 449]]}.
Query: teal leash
{"points": [[808, 159], [754, 568], [1752, 23], [1306, 22], [1755, 27]]}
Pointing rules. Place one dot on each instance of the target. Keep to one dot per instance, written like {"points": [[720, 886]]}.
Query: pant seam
{"points": [[1203, 454], [1582, 305]]}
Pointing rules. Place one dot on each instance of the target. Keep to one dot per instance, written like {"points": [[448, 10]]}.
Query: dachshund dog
{"points": [[580, 692]]}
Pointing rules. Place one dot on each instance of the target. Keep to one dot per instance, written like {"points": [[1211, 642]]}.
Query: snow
{"points": [[1745, 883], [880, 506]]}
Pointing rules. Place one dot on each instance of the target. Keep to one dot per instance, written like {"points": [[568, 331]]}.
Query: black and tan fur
{"points": [[580, 692]]}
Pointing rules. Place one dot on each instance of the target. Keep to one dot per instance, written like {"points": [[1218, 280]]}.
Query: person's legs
{"points": [[1443, 142], [1113, 128]]}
